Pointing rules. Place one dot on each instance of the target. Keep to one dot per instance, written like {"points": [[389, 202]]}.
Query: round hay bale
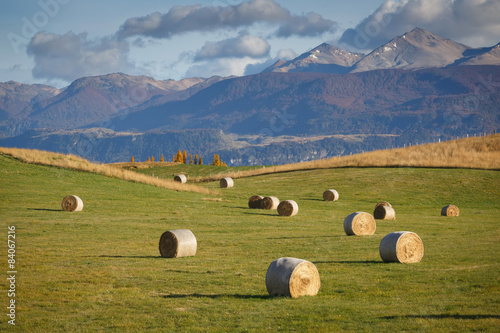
{"points": [[255, 201], [330, 195], [269, 203], [180, 178], [292, 277], [401, 246], [383, 203], [450, 210], [177, 243], [288, 208], [226, 182], [72, 203], [359, 223], [383, 212]]}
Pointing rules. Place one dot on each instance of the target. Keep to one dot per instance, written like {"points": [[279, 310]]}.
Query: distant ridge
{"points": [[416, 49]]}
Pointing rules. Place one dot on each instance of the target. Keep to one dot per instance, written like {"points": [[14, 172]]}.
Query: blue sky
{"points": [[57, 41]]}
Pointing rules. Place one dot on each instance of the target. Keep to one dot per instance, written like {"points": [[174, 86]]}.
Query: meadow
{"points": [[100, 269]]}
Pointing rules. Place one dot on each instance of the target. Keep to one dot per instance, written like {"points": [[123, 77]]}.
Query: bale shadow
{"points": [[46, 209], [300, 237], [371, 262], [127, 257], [214, 296], [444, 316]]}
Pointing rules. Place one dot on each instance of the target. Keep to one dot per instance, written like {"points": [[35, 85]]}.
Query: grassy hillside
{"points": [[100, 269]]}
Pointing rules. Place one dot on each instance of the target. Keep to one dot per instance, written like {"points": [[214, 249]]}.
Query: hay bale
{"points": [[226, 182], [180, 178], [269, 203], [288, 208], [330, 195], [383, 203], [177, 243], [292, 277], [72, 203], [450, 210], [383, 212], [255, 201], [359, 223], [401, 246]]}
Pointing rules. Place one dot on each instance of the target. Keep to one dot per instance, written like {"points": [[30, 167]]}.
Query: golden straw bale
{"points": [[288, 208], [292, 277], [359, 223], [450, 210], [180, 178], [226, 182], [269, 203], [384, 212], [401, 246], [72, 203], [177, 243], [255, 201], [330, 195]]}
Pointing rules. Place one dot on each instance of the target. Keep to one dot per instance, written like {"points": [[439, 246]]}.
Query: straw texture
{"points": [[288, 208], [180, 178], [401, 246], [72, 203], [330, 195], [450, 210], [292, 277], [383, 212], [177, 243], [255, 201], [383, 203], [226, 182], [359, 223], [269, 203]]}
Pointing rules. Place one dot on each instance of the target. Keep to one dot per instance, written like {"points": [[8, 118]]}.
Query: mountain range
{"points": [[417, 87]]}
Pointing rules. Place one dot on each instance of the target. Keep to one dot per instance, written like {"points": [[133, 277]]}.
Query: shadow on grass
{"points": [[300, 237], [214, 296], [129, 257], [46, 209], [349, 262], [445, 316]]}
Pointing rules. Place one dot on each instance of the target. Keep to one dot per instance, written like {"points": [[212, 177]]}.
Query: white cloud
{"points": [[473, 22], [244, 45], [181, 19], [70, 56]]}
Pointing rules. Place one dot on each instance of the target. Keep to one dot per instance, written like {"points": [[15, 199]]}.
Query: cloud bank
{"points": [[472, 22], [182, 19], [71, 56]]}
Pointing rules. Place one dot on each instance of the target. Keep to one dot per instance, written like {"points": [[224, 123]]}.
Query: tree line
{"points": [[182, 157]]}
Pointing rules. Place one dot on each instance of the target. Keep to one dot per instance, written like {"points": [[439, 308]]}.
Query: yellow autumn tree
{"points": [[132, 159], [195, 159], [185, 157], [178, 157], [161, 158], [200, 161]]}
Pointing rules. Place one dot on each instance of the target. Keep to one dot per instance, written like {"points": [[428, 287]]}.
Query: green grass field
{"points": [[100, 269]]}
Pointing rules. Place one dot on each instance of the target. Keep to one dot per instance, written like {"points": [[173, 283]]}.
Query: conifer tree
{"points": [[161, 158], [149, 159], [195, 159], [132, 159], [200, 161], [190, 158], [185, 157], [152, 159]]}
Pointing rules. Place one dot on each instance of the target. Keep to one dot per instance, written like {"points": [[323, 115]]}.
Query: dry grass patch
{"points": [[73, 162], [469, 153]]}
